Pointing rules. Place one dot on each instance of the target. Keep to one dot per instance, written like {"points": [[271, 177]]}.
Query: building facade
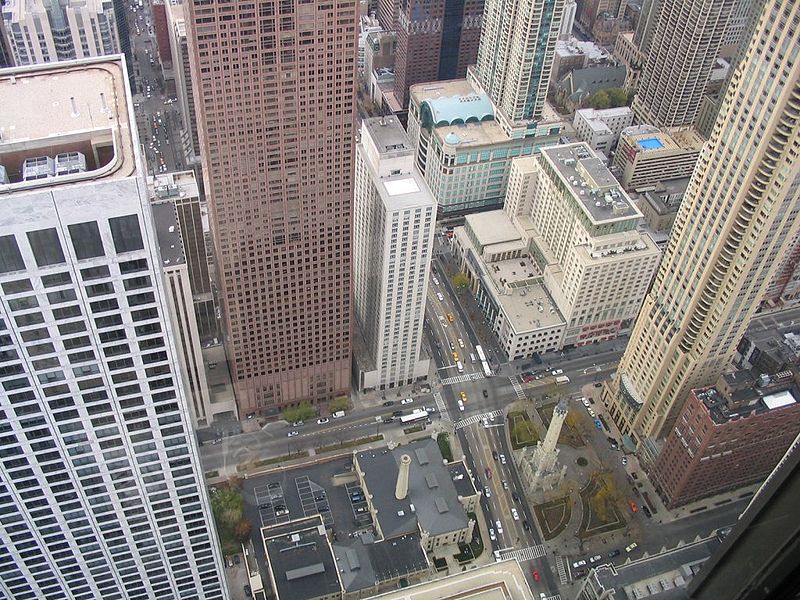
{"points": [[739, 216], [275, 124], [685, 43], [436, 40], [182, 76], [101, 487], [393, 228], [600, 129], [40, 32], [647, 155], [727, 436]]}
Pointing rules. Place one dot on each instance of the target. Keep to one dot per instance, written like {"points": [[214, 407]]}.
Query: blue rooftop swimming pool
{"points": [[650, 144]]}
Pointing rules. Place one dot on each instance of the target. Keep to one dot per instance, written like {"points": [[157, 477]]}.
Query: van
{"points": [[460, 367], [472, 357], [338, 414]]}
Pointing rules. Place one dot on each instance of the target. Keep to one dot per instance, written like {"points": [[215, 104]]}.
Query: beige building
{"points": [[738, 219], [181, 71], [601, 129], [626, 50], [564, 257], [679, 60], [646, 155]]}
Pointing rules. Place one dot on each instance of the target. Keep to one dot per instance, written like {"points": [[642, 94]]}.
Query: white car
{"points": [[460, 406], [435, 281], [505, 484], [585, 401], [502, 459], [485, 423], [492, 536], [515, 514], [557, 372], [487, 492], [578, 563], [323, 420], [499, 527], [292, 433], [460, 342], [592, 413], [595, 559], [440, 296], [406, 401], [631, 548]]}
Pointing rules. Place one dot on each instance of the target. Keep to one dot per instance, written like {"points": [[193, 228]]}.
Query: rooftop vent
{"points": [[40, 167]]}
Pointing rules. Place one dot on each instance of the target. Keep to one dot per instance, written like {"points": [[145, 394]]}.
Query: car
{"points": [[389, 419], [514, 496], [488, 472], [389, 403], [611, 440], [614, 553], [361, 509], [646, 511], [596, 558], [633, 506], [452, 346], [536, 576], [460, 406], [505, 484], [630, 548], [406, 401], [430, 409], [542, 596], [487, 492], [495, 455], [578, 563], [598, 424], [624, 460], [502, 459], [247, 591], [557, 372], [499, 527], [485, 393], [491, 417], [237, 560], [526, 526], [265, 505], [492, 536], [598, 385], [456, 357], [592, 413], [397, 413], [585, 402], [435, 281], [527, 378], [439, 296], [515, 514], [298, 424], [463, 396], [292, 433], [323, 508], [450, 317], [460, 343], [323, 420], [485, 423], [281, 513]]}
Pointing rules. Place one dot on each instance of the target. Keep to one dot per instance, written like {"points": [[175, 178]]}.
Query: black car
{"points": [[646, 511], [237, 560], [397, 413], [485, 394], [614, 553], [388, 403], [515, 498], [247, 591], [495, 455], [388, 419], [526, 526], [265, 505]]}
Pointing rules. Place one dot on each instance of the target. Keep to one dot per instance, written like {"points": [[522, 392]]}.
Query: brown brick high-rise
{"points": [[274, 85]]}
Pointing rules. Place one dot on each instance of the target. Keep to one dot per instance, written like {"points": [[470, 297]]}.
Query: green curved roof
{"points": [[459, 109]]}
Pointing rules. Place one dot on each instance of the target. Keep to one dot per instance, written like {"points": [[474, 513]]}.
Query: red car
{"points": [[633, 506], [488, 473], [536, 576]]}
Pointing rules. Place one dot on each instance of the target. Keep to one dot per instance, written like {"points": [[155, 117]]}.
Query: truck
{"points": [[562, 380]]}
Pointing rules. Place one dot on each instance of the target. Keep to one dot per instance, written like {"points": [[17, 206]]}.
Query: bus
{"points": [[562, 380], [415, 415], [484, 363]]}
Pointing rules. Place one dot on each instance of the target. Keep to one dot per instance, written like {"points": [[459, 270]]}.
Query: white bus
{"points": [[484, 363], [416, 415]]}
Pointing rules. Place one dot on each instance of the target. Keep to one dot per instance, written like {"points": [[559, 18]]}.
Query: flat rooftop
{"points": [[388, 135], [301, 560], [404, 191], [649, 139], [168, 234], [73, 106], [492, 227], [745, 402], [496, 581], [590, 182], [484, 133]]}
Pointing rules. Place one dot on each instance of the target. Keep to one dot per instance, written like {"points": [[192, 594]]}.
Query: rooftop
{"points": [[301, 561], [484, 133], [404, 191], [496, 581], [574, 46], [432, 499], [745, 400], [73, 106], [453, 101], [648, 138], [363, 562], [591, 183], [168, 234], [492, 227], [388, 136]]}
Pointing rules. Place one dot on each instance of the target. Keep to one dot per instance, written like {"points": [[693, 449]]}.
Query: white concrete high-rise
{"points": [[683, 44], [101, 488], [41, 31], [393, 229], [738, 219]]}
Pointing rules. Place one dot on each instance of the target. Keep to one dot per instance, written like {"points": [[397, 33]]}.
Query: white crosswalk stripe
{"points": [[529, 553], [555, 597], [476, 419], [562, 570], [462, 378], [517, 388], [441, 406]]}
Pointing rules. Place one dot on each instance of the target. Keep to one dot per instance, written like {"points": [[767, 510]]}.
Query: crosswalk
{"points": [[441, 406], [462, 378], [476, 419], [562, 570], [517, 388], [529, 553]]}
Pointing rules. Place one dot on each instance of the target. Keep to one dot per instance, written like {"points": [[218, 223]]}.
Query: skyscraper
{"points": [[394, 221], [101, 492], [274, 89], [682, 43], [515, 56], [436, 40], [738, 218]]}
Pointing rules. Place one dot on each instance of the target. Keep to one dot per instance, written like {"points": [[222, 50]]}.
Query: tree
{"points": [[227, 506], [341, 403], [460, 281], [600, 100], [299, 413], [242, 530], [617, 97]]}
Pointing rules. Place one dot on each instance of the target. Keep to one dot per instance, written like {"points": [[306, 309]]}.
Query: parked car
{"points": [[624, 460], [323, 420], [646, 511], [389, 403], [578, 563], [492, 535], [598, 424], [292, 433], [247, 591], [505, 484], [633, 506], [515, 514], [298, 424], [614, 553], [487, 492], [585, 402], [488, 473], [557, 372], [406, 401], [536, 576], [596, 558], [631, 547], [485, 393]]}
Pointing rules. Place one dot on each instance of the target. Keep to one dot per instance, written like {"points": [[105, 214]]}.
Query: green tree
{"points": [[600, 100], [617, 97], [341, 403], [227, 506], [301, 412], [460, 280]]}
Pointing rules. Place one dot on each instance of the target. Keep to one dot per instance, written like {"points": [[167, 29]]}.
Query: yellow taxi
{"points": [[450, 317], [455, 356], [463, 396]]}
